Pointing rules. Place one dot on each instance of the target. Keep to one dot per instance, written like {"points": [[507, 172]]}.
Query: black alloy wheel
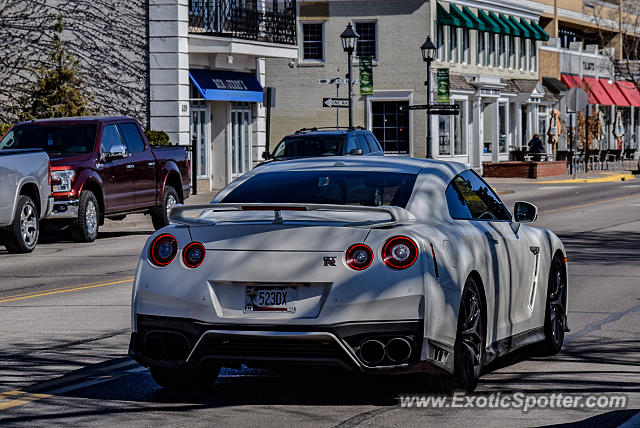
{"points": [[555, 318], [470, 338]]}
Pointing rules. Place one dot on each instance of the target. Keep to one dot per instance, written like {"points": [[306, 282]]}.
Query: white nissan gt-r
{"points": [[382, 265]]}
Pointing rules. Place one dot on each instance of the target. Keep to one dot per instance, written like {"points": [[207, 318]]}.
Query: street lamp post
{"points": [[349, 39], [428, 49]]}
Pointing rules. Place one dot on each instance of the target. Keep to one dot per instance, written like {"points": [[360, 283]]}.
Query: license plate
{"points": [[270, 299]]}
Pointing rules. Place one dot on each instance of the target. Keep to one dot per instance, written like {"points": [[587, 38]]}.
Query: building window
{"points": [[313, 41], [452, 135], [440, 42], [465, 57], [391, 126], [480, 48], [512, 52], [453, 44], [491, 51], [533, 58], [502, 56], [241, 135], [367, 42], [523, 53], [503, 119]]}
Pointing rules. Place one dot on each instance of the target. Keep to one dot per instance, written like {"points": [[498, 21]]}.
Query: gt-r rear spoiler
{"points": [[396, 214]]}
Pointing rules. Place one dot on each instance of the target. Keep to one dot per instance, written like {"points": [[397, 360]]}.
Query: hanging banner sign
{"points": [[443, 85], [366, 75]]}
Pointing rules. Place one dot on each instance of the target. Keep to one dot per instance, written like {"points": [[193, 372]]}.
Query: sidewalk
{"points": [[583, 177]]}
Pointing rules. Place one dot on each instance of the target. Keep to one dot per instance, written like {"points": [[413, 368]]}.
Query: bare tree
{"points": [[108, 37], [618, 30]]}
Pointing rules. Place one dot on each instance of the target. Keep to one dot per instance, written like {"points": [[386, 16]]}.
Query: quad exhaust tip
{"points": [[397, 350], [166, 346]]}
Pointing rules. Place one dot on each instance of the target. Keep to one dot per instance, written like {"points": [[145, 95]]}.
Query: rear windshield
{"points": [[309, 145], [72, 138], [326, 187]]}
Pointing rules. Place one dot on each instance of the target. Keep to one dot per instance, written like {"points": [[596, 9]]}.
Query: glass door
{"points": [[198, 132], [240, 138]]}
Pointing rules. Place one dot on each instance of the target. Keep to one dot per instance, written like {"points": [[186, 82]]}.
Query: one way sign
{"points": [[335, 102]]}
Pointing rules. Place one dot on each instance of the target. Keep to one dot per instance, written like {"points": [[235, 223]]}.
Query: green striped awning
{"points": [[515, 31], [504, 27], [477, 23], [544, 34], [465, 21], [489, 24], [445, 17], [533, 33], [523, 30]]}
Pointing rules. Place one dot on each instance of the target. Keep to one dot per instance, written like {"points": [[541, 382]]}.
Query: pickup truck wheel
{"points": [[84, 228], [22, 235], [160, 213]]}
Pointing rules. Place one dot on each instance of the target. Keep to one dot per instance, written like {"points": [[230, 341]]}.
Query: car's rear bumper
{"points": [[179, 342]]}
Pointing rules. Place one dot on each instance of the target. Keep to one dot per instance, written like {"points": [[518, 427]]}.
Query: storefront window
{"points": [[391, 126], [487, 124], [502, 130], [543, 121], [460, 130], [241, 133]]}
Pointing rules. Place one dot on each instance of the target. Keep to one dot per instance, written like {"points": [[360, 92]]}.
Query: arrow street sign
{"points": [[335, 81], [444, 109], [335, 102]]}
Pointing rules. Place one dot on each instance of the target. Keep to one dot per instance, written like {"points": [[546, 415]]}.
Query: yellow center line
{"points": [[56, 289], [12, 393], [589, 204], [65, 290], [21, 401]]}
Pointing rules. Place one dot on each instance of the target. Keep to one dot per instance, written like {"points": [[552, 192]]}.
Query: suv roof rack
{"points": [[337, 128]]}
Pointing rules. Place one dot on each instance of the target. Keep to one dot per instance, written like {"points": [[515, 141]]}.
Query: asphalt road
{"points": [[65, 317]]}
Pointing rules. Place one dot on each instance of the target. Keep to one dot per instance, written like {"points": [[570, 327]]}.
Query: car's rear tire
{"points": [[84, 228], [555, 317], [469, 345], [160, 213], [21, 236], [470, 338], [184, 379]]}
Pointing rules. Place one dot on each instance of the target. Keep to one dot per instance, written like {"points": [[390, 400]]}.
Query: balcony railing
{"points": [[264, 20]]}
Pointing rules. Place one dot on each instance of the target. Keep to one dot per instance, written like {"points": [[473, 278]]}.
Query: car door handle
{"points": [[151, 164], [131, 166]]}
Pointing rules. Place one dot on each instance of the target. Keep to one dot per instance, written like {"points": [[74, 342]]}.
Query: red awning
{"points": [[630, 92], [593, 86], [614, 93], [573, 81]]}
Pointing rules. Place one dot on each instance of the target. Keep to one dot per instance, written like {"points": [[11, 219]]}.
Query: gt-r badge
{"points": [[329, 261]]}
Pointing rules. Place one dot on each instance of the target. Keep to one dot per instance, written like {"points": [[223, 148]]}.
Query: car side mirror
{"points": [[355, 152], [265, 155], [524, 212], [116, 152]]}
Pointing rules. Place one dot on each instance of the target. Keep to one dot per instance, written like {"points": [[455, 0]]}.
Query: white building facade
{"points": [[207, 73]]}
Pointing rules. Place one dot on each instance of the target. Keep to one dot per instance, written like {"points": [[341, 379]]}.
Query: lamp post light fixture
{"points": [[349, 39], [428, 49]]}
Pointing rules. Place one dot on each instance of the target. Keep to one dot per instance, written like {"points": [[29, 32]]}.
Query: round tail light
{"points": [[193, 254], [163, 250], [399, 252], [359, 256]]}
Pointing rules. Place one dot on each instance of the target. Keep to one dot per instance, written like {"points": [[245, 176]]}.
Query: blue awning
{"points": [[218, 85]]}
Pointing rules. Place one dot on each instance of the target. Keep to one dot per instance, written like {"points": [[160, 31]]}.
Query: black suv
{"points": [[326, 142]]}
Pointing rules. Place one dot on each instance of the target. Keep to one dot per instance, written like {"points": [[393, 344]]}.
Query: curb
{"points": [[609, 178]]}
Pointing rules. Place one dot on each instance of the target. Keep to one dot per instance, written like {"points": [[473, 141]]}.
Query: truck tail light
{"points": [[193, 254], [359, 257], [163, 250], [399, 252]]}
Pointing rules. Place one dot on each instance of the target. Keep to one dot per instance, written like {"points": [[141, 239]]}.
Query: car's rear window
{"points": [[309, 145], [71, 138], [366, 188]]}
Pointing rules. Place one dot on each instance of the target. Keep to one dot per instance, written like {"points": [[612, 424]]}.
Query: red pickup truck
{"points": [[103, 167]]}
